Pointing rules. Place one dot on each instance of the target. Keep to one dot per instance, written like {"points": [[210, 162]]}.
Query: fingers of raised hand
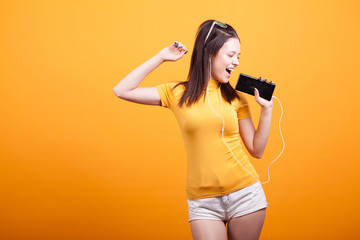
{"points": [[180, 46]]}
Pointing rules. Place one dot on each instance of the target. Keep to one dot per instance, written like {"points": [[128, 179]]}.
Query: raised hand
{"points": [[173, 52]]}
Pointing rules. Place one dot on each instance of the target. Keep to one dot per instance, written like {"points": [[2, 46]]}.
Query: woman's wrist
{"points": [[159, 59], [267, 108]]}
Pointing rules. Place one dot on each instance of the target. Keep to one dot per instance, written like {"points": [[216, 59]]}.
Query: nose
{"points": [[236, 62]]}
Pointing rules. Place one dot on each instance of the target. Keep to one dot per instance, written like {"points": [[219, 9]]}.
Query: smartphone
{"points": [[247, 84]]}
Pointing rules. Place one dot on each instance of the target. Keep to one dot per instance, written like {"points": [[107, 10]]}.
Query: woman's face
{"points": [[226, 60]]}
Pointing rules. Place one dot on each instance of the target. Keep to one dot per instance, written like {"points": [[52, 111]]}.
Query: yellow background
{"points": [[79, 163]]}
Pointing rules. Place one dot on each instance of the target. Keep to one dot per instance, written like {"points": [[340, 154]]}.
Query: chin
{"points": [[223, 80]]}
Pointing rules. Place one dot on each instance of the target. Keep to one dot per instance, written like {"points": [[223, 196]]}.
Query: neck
{"points": [[213, 85]]}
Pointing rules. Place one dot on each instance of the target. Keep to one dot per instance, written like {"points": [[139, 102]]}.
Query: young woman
{"points": [[225, 197]]}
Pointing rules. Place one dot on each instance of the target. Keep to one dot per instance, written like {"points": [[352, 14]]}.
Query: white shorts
{"points": [[244, 201]]}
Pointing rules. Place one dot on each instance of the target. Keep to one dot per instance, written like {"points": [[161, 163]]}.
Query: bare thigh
{"points": [[247, 227], [208, 230]]}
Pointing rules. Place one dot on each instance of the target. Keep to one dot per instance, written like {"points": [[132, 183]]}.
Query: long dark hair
{"points": [[198, 75]]}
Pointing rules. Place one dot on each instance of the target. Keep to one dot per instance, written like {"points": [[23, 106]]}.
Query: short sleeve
{"points": [[166, 94], [243, 110]]}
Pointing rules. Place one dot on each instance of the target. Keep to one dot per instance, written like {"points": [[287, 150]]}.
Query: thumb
{"points": [[256, 92]]}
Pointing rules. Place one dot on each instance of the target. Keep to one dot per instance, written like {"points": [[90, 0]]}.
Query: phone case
{"points": [[247, 84]]}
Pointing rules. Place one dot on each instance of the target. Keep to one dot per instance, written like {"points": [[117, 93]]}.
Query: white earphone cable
{"points": [[268, 170], [222, 131]]}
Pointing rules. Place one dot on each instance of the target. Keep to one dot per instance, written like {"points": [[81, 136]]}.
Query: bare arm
{"points": [[255, 140], [128, 89]]}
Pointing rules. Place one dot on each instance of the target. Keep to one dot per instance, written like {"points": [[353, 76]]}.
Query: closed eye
{"points": [[233, 55]]}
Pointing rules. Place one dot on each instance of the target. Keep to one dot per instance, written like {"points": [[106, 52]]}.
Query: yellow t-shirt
{"points": [[211, 168]]}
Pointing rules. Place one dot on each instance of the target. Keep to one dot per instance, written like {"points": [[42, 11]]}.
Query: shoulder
{"points": [[170, 84], [169, 87], [242, 106], [243, 98]]}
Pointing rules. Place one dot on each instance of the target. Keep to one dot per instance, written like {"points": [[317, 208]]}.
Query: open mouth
{"points": [[229, 71]]}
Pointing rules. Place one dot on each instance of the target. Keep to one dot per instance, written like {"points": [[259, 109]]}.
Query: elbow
{"points": [[117, 92], [257, 155]]}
